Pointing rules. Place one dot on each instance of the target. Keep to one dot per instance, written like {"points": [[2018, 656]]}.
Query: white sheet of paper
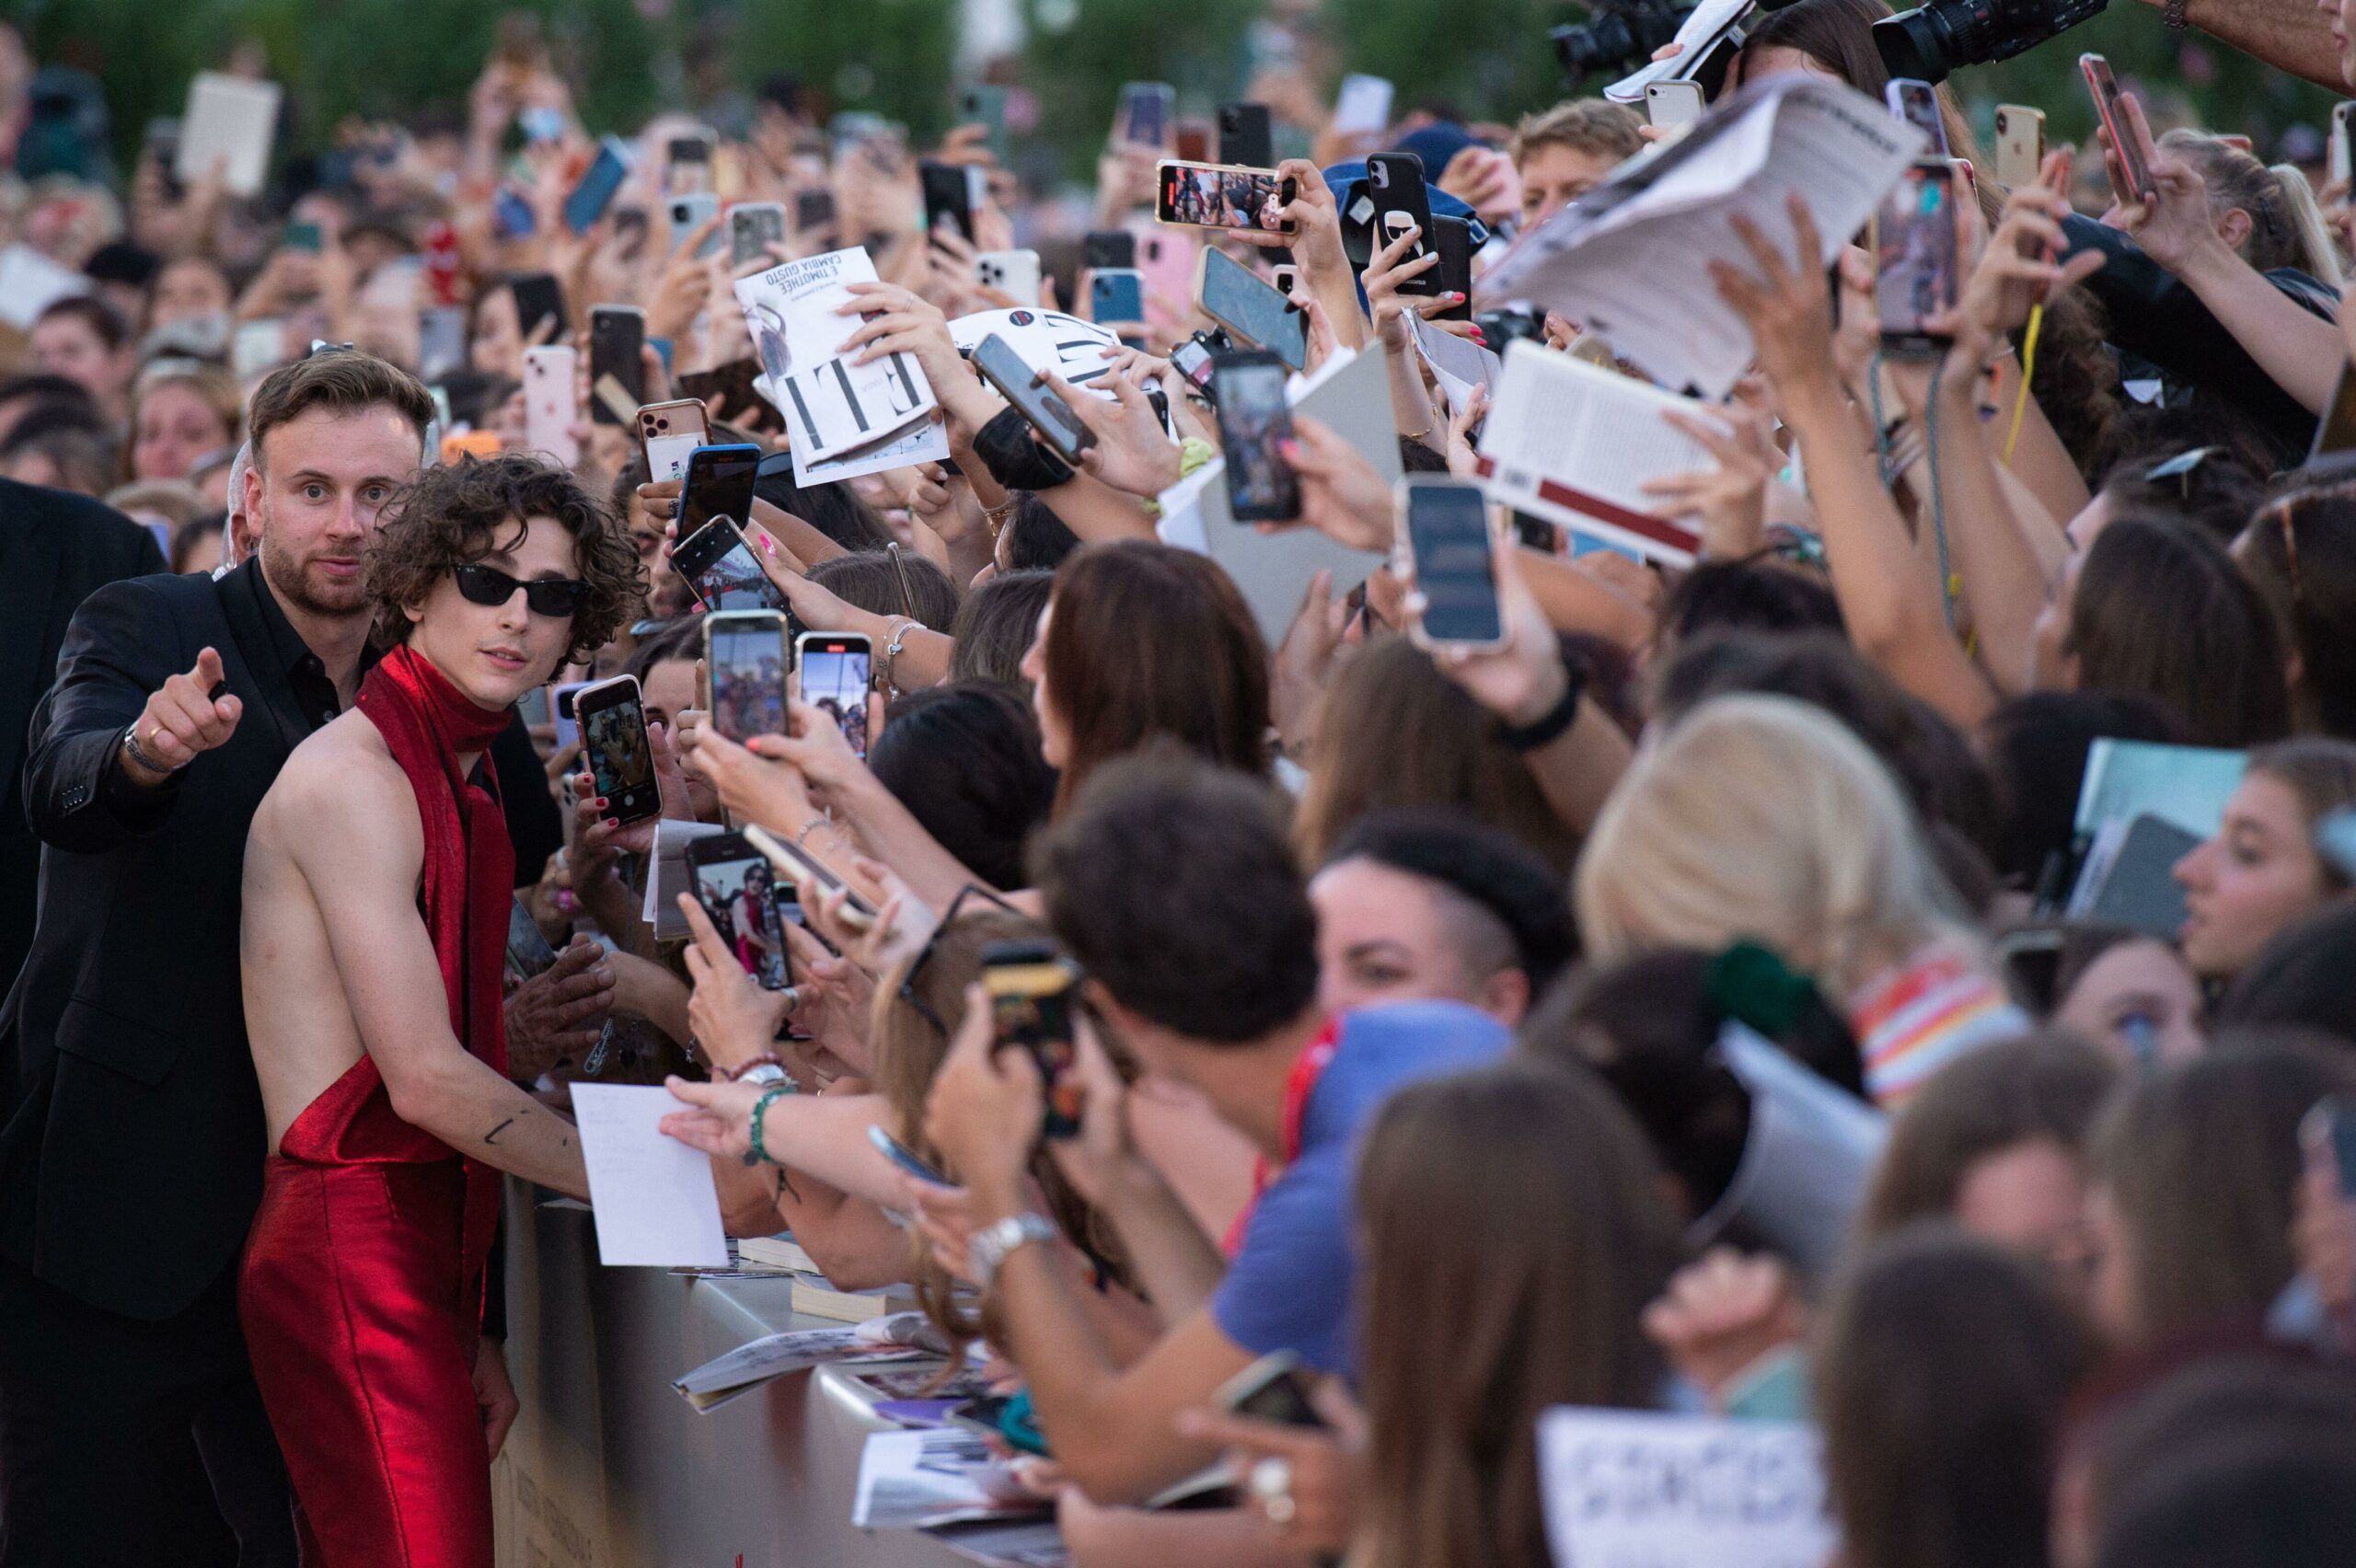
{"points": [[653, 1196], [233, 120], [1631, 1489], [31, 283]]}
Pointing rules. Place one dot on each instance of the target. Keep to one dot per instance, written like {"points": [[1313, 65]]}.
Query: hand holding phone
{"points": [[744, 670], [1031, 989], [1254, 424], [2125, 156], [834, 670], [1453, 553], [620, 755]]}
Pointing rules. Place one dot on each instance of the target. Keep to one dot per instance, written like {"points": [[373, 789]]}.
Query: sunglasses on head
{"points": [[980, 894], [555, 597]]}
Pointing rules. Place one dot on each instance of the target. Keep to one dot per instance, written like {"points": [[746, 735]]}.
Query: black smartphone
{"points": [[984, 104], [687, 165], [1216, 196], [1920, 260], [1254, 422], [1196, 359], [1101, 249], [1018, 385], [1275, 1387], [744, 666], [538, 298], [1251, 308], [721, 569], [1030, 990], [1396, 183], [835, 670], [719, 483], [739, 889], [613, 735], [950, 196], [813, 211], [1453, 238], [1455, 561], [1246, 135], [617, 363]]}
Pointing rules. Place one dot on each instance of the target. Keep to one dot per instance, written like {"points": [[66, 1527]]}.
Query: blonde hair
{"points": [[1762, 817], [1586, 125], [2321, 253]]}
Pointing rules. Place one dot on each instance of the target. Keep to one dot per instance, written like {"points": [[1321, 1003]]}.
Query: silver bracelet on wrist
{"points": [[138, 753]]}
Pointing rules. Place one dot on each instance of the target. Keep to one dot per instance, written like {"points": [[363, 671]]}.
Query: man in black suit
{"points": [[55, 547], [131, 1432]]}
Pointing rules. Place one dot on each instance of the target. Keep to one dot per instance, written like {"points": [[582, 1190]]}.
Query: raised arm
{"points": [[2290, 35], [353, 834]]}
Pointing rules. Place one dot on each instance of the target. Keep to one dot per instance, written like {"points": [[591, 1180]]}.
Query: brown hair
{"points": [[2201, 1161], [457, 513], [2300, 551], [2321, 771], [1521, 1206], [1942, 1365], [909, 1048], [342, 381], [1149, 641], [1586, 125], [1393, 731], [2236, 179], [2046, 1085]]}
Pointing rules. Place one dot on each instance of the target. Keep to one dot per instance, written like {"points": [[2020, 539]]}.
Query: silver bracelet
{"points": [[138, 753]]}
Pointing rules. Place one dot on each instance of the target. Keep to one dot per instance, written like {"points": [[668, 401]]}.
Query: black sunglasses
{"points": [[555, 597], [924, 953]]}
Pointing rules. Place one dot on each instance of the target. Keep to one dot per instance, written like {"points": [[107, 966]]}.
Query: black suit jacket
{"points": [[132, 1136], [55, 547]]}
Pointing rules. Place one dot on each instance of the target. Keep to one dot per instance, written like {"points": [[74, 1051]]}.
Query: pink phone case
{"points": [[1166, 258], [548, 403]]}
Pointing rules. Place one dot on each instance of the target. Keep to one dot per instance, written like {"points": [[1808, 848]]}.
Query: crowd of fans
{"points": [[1666, 1009]]}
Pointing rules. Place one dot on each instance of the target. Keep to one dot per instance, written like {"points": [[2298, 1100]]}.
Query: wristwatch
{"points": [[767, 1072], [993, 1244]]}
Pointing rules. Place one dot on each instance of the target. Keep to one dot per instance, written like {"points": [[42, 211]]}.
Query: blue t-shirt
{"points": [[1288, 1287]]}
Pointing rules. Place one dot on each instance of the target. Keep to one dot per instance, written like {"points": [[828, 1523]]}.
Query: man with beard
{"points": [[131, 1431]]}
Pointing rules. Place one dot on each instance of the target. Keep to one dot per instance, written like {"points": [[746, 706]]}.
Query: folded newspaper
{"points": [[1631, 259], [1575, 442], [841, 420], [884, 1342]]}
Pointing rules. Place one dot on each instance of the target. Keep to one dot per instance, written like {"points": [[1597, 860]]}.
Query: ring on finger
{"points": [[1270, 1483]]}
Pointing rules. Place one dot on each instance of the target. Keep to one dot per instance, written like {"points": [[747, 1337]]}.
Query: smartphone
{"points": [[1454, 553], [1104, 249], [1362, 106], [1016, 382], [1146, 112], [952, 193], [1014, 273], [1669, 105], [613, 735], [1030, 988], [1453, 238], [738, 887], [1275, 1387], [985, 105], [441, 341], [1254, 422], [1196, 359], [257, 345], [2330, 1127], [1192, 140], [598, 184], [834, 670], [718, 483], [1396, 183], [1246, 135], [668, 434], [904, 1158], [1919, 258], [797, 863], [687, 166], [1117, 294], [813, 212], [1252, 308], [538, 298], [2105, 88], [562, 697], [1917, 103], [2020, 145], [690, 213], [1216, 196], [308, 237], [547, 403], [617, 363], [745, 670], [752, 227], [719, 566]]}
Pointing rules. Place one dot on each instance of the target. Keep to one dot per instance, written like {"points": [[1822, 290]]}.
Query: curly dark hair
{"points": [[455, 513]]}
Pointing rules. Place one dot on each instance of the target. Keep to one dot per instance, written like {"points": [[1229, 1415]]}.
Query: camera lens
{"points": [[1917, 43], [1593, 46]]}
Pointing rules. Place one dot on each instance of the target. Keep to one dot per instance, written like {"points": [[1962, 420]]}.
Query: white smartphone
{"points": [[690, 213], [2020, 145], [2342, 163], [548, 403], [1670, 105], [1014, 273]]}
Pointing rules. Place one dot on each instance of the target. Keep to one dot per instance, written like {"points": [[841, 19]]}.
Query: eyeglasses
{"points": [[556, 598], [924, 953]]}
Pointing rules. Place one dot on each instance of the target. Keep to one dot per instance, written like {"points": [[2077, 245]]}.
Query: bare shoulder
{"points": [[341, 790]]}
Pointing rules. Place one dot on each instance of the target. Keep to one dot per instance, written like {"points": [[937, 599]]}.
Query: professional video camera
{"points": [[1618, 35], [1931, 40]]}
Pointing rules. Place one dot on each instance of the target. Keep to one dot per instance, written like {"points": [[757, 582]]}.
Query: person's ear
{"points": [[2234, 228], [1505, 996]]}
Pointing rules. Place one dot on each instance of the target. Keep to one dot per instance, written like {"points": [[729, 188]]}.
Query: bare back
{"points": [[299, 1018]]}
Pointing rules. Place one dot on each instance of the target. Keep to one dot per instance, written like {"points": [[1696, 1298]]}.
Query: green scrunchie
{"points": [[1752, 985]]}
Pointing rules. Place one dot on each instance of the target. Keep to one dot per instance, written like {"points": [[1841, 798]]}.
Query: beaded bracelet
{"points": [[755, 1154]]}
